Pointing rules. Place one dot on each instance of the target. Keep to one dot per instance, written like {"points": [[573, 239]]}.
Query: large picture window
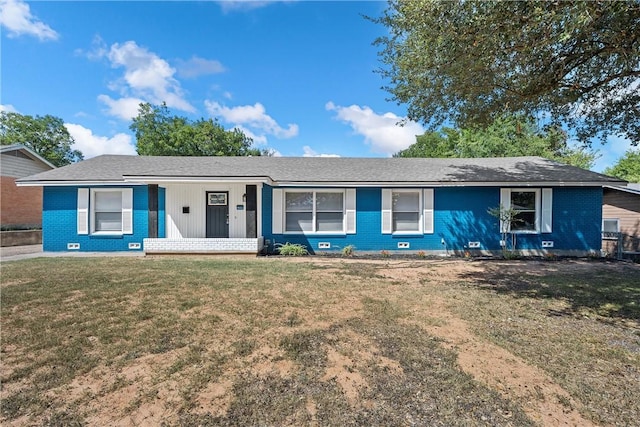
{"points": [[314, 211]]}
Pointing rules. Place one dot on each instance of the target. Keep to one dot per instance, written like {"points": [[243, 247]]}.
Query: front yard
{"points": [[319, 341]]}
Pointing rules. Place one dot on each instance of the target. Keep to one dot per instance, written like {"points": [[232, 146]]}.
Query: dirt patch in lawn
{"points": [[318, 341]]}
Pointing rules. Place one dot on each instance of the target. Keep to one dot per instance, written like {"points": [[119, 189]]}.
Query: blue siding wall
{"points": [[59, 222], [460, 216]]}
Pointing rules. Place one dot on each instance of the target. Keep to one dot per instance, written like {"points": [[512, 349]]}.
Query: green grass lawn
{"points": [[268, 341]]}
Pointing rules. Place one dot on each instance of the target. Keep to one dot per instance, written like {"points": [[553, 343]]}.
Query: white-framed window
{"points": [[610, 228], [309, 211], [407, 211], [533, 208], [105, 211], [525, 203]]}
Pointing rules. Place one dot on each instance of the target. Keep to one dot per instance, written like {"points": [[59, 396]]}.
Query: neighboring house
{"points": [[20, 208], [621, 220], [245, 204]]}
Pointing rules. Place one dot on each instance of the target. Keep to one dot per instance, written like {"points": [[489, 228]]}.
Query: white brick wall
{"points": [[203, 245]]}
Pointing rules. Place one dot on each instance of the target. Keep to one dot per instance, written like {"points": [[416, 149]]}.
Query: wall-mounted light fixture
{"points": [[244, 197]]}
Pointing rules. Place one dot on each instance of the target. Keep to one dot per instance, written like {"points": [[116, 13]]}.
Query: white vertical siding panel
{"points": [[194, 224]]}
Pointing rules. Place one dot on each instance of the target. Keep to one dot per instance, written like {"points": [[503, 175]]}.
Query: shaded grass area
{"points": [[580, 322], [100, 341]]}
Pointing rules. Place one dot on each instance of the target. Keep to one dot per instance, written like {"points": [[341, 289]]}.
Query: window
{"points": [[610, 225], [105, 211], [524, 202], [534, 209], [107, 207], [405, 211], [610, 228], [314, 211]]}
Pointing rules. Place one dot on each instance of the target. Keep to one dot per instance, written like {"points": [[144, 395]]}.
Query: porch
{"points": [[204, 246]]}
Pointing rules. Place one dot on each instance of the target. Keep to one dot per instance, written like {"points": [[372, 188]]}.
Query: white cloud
{"points": [[124, 108], [147, 78], [16, 17], [253, 118], [309, 152], [94, 145], [8, 108], [611, 152], [242, 5], [197, 66], [381, 131], [257, 139]]}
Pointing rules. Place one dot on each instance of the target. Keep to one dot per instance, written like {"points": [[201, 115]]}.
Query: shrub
{"points": [[291, 249], [348, 250]]}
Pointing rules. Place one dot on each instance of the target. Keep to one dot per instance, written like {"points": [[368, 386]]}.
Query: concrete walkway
{"points": [[15, 253]]}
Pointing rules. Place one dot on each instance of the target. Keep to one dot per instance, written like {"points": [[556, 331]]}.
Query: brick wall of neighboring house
{"points": [[20, 206]]}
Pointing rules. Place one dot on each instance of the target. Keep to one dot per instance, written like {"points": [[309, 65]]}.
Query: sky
{"points": [[298, 77]]}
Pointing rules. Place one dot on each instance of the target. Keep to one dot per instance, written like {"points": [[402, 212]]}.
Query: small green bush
{"points": [[348, 250], [292, 249]]}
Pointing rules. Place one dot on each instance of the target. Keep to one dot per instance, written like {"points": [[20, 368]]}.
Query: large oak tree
{"points": [[469, 62]]}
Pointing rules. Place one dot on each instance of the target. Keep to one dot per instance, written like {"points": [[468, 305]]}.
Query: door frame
{"points": [[207, 193]]}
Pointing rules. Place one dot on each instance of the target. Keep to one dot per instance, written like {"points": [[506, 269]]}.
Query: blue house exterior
{"points": [[251, 205]]}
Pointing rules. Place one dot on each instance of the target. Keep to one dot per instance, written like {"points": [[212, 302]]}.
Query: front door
{"points": [[217, 214]]}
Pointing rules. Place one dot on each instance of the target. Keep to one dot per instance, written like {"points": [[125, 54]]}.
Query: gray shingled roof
{"points": [[320, 169]]}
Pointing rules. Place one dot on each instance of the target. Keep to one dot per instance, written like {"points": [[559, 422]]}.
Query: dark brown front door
{"points": [[217, 214]]}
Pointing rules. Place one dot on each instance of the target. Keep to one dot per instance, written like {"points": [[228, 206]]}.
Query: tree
{"points": [[158, 133], [506, 136], [627, 167], [469, 62], [45, 135]]}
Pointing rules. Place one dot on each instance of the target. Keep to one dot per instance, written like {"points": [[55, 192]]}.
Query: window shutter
{"points": [[505, 204], [83, 211], [547, 210], [127, 211], [351, 210], [428, 210], [276, 219], [386, 211]]}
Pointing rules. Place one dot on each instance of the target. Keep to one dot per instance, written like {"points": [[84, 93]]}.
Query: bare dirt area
{"points": [[320, 341]]}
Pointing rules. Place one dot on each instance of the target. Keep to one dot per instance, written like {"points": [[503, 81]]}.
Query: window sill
{"points": [[315, 233], [525, 232], [105, 235], [407, 233]]}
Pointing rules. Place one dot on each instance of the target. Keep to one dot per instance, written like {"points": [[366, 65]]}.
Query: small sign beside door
{"points": [[217, 199]]}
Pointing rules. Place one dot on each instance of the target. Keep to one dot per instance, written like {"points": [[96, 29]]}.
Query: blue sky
{"points": [[297, 76]]}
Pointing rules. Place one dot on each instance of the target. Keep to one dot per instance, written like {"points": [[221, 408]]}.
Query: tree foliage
{"points": [[158, 133], [45, 135], [468, 62], [627, 168], [505, 137]]}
